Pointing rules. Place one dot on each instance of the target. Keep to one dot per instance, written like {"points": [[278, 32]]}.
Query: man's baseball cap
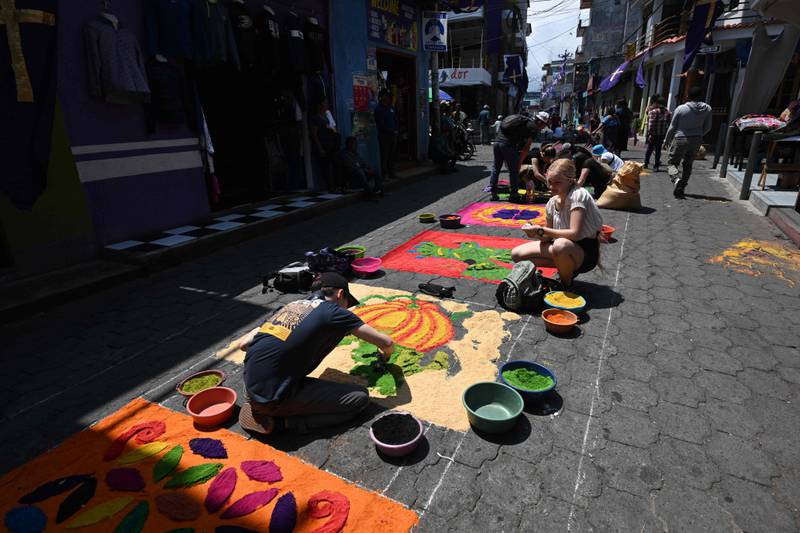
{"points": [[598, 149], [337, 281], [544, 116]]}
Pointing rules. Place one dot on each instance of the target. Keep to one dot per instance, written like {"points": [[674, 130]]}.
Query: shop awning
{"points": [[780, 9], [464, 77], [443, 96]]}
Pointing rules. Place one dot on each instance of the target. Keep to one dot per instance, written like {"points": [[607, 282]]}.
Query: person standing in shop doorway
{"points": [[690, 123], [483, 122], [386, 121]]}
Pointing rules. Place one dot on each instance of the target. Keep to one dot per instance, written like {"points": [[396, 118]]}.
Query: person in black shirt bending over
{"points": [[591, 171], [288, 347], [511, 147]]}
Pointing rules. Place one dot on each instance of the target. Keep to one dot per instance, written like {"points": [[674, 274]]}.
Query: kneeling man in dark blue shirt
{"points": [[293, 342]]}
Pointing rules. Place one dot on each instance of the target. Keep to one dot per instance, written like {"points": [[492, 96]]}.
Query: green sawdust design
{"points": [[482, 262], [460, 316], [403, 362]]}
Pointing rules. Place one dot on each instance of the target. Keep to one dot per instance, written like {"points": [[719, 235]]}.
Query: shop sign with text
{"points": [[393, 22]]}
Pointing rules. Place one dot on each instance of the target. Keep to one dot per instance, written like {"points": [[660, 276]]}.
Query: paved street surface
{"points": [[678, 407]]}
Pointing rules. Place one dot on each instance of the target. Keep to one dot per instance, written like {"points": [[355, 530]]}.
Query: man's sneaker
{"points": [[673, 172], [516, 199], [677, 191], [495, 198], [646, 165]]}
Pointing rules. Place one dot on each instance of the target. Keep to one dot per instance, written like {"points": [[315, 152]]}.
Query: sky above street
{"points": [[554, 24]]}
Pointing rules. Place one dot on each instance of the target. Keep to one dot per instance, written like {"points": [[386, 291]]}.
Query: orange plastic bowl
{"points": [[559, 321], [606, 232], [212, 407]]}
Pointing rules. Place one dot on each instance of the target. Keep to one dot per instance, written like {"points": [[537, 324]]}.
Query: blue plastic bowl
{"points": [[536, 367], [573, 309]]}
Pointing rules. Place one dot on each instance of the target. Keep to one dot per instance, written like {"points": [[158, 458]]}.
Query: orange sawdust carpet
{"points": [[323, 501]]}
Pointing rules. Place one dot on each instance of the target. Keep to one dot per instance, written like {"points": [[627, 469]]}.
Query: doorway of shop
{"points": [[399, 75]]}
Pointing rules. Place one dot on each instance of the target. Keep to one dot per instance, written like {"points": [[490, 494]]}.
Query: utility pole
{"points": [[435, 111]]}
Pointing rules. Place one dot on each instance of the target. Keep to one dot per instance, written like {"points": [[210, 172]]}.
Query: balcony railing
{"points": [[666, 29]]}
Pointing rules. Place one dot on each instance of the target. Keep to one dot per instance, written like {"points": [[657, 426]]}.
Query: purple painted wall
{"points": [[121, 207]]}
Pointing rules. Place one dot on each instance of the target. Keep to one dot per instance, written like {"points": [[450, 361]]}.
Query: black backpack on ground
{"points": [[294, 277], [523, 290]]}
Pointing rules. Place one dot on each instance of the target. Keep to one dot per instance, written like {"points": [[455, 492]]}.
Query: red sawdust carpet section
{"points": [[456, 255]]}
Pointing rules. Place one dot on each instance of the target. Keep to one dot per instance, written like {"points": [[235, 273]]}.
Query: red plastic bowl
{"points": [[212, 407], [606, 232], [397, 450], [367, 265]]}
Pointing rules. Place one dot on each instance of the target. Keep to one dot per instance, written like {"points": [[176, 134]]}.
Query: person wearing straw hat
{"points": [[289, 346]]}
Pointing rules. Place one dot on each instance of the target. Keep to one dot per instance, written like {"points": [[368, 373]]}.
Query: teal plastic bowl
{"points": [[492, 407]]}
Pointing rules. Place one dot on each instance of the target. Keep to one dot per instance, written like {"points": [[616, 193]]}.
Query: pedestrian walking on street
{"points": [[690, 123], [658, 119], [511, 147], [386, 122], [625, 117], [289, 346], [483, 122]]}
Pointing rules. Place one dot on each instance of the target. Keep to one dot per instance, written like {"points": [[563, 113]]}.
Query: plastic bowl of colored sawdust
{"points": [[492, 407], [356, 252], [529, 379], [559, 321], [200, 381], [396, 434], [450, 221], [427, 218], [366, 266], [212, 407], [568, 301], [606, 232]]}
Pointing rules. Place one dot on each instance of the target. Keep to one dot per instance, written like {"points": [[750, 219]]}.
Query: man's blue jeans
{"points": [[505, 153]]}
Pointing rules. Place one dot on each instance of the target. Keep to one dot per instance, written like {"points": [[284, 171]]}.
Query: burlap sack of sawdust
{"points": [[701, 154], [623, 191]]}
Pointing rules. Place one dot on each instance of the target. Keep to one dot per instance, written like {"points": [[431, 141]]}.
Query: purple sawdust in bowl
{"points": [[396, 429]]}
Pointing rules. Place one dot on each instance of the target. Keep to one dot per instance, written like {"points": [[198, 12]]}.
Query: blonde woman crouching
{"points": [[569, 240]]}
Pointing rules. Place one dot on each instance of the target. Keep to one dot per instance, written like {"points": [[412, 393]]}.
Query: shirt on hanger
{"points": [[316, 41], [115, 63], [214, 41], [294, 41], [268, 43], [169, 27], [244, 33]]}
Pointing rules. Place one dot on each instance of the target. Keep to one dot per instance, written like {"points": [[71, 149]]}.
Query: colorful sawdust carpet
{"points": [[442, 346], [758, 258], [178, 478], [504, 215], [456, 255]]}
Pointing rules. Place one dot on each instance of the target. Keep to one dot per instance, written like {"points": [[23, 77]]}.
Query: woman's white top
{"points": [[577, 198]]}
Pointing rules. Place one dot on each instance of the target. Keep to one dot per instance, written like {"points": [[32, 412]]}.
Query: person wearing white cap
{"points": [[511, 147]]}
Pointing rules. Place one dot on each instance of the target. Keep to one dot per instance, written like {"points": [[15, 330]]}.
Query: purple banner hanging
{"points": [[613, 79]]}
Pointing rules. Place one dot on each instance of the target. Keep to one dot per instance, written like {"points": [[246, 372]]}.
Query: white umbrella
{"points": [[785, 10]]}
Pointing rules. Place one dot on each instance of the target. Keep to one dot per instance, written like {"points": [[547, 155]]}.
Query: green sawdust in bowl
{"points": [[525, 379], [201, 383]]}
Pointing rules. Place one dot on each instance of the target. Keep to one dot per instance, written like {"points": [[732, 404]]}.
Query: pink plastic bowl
{"points": [[367, 265], [397, 450], [212, 407]]}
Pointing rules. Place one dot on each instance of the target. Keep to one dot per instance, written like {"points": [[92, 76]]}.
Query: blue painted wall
{"points": [[348, 36]]}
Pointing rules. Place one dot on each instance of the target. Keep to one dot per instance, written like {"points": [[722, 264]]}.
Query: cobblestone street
{"points": [[678, 401]]}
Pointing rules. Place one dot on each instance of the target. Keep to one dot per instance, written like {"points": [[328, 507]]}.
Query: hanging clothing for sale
{"points": [[294, 43], [269, 42], [316, 45], [170, 25], [28, 104], [214, 41], [169, 94], [244, 33], [115, 63]]}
